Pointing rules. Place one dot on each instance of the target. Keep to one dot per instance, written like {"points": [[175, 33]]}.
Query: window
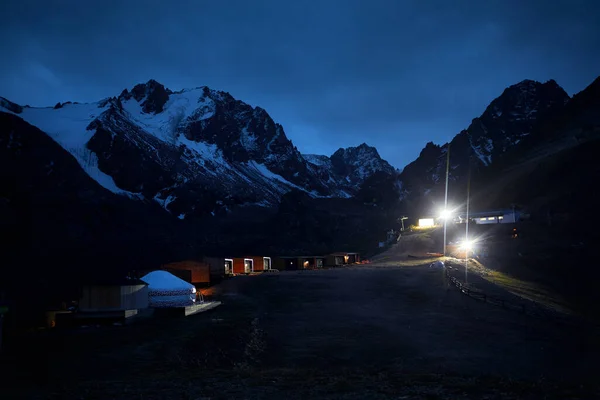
{"points": [[491, 218], [500, 217]]}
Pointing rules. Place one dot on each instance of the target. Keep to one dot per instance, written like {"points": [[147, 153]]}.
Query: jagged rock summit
{"points": [[194, 151]]}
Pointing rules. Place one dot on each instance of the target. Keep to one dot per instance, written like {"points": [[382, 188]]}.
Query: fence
{"points": [[530, 308]]}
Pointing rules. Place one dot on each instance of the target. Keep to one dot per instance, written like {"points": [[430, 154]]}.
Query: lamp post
{"points": [[467, 225], [446, 195]]}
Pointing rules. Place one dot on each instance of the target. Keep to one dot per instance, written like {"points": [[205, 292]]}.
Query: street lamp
{"points": [[445, 215], [467, 245]]}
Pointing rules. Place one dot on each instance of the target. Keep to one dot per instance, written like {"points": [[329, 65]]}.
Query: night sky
{"points": [[395, 74]]}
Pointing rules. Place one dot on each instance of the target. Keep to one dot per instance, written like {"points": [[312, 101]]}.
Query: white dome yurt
{"points": [[165, 290]]}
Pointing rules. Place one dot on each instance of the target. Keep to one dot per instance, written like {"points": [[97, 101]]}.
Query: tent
{"points": [[165, 290]]}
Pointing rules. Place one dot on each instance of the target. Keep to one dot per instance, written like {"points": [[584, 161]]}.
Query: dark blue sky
{"points": [[395, 74]]}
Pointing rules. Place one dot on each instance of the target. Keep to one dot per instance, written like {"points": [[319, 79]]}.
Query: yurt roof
{"points": [[163, 280], [112, 281]]}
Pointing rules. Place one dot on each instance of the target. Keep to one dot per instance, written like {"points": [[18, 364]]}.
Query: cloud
{"points": [[43, 75], [395, 74]]}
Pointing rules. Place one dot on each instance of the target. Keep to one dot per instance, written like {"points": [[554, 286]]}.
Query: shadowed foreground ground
{"points": [[362, 332]]}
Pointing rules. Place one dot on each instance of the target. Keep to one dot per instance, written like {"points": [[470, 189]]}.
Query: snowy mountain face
{"points": [[505, 122], [349, 167], [194, 152]]}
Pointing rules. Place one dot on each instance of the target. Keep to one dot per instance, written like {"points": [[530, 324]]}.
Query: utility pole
{"points": [[446, 195], [467, 225]]}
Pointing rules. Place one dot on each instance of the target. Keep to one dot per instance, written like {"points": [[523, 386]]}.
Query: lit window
{"points": [[500, 217], [491, 218]]}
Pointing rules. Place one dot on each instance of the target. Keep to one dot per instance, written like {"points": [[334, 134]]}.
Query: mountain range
{"points": [[195, 151], [527, 121], [152, 176]]}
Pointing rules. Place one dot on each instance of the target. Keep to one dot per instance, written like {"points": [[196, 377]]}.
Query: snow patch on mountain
{"points": [[349, 167], [190, 149], [67, 126], [317, 159], [271, 176], [180, 107], [205, 152]]}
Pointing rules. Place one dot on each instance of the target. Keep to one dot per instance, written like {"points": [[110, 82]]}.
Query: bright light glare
{"points": [[445, 214], [426, 222], [467, 245]]}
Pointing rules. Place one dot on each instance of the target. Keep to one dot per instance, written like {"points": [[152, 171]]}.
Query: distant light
{"points": [[426, 222]]}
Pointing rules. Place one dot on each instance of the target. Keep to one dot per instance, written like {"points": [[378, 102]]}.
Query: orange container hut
{"points": [[249, 264], [195, 272], [243, 265]]}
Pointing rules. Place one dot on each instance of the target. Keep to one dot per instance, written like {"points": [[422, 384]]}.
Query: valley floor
{"points": [[378, 331]]}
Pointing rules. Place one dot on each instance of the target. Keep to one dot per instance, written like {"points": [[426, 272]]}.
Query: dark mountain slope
{"points": [[509, 120], [60, 227]]}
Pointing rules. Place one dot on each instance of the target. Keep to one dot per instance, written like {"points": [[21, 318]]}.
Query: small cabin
{"points": [[220, 267], [492, 217], [243, 265], [117, 298], [250, 264], [261, 263], [299, 262], [195, 272], [342, 258]]}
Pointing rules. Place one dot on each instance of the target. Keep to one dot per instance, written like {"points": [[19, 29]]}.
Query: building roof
{"points": [[114, 281], [492, 213], [302, 257], [165, 281]]}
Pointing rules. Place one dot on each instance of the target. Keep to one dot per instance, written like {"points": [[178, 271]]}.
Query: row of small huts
{"points": [[213, 269], [178, 284]]}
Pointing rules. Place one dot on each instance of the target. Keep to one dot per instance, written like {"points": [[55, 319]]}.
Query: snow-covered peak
{"points": [[360, 161], [349, 167], [194, 151], [317, 159]]}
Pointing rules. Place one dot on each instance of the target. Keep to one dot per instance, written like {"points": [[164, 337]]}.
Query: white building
{"points": [[492, 217]]}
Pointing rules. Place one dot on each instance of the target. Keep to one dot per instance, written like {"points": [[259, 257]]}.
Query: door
{"points": [[319, 263], [228, 266], [248, 265], [266, 263]]}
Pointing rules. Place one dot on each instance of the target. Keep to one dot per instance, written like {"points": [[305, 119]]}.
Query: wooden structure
{"points": [[195, 272], [249, 264], [220, 267], [243, 265], [299, 262], [261, 263], [342, 258], [123, 298]]}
